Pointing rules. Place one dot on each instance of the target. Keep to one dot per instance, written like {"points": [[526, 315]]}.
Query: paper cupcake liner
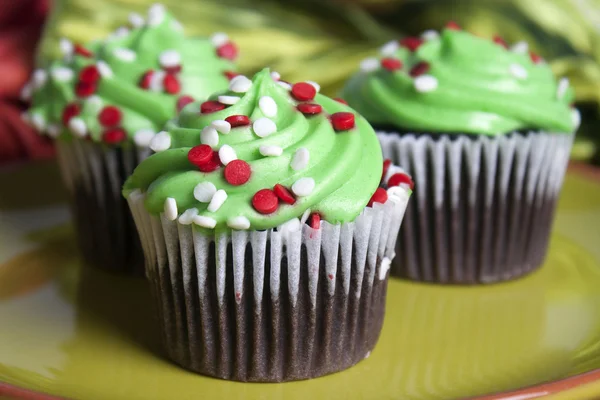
{"points": [[274, 305], [483, 206], [94, 175]]}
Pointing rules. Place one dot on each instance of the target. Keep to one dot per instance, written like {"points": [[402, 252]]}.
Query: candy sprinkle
{"points": [[160, 142], [171, 84], [300, 159], [238, 120], [114, 135], [170, 209], [142, 137], [200, 155], [89, 74], [221, 126], [265, 201], [518, 71], [240, 223], [391, 64], [419, 69], [228, 100], [270, 151], [310, 108], [228, 51], [400, 178], [425, 83], [71, 110], [380, 196], [284, 194], [268, 106], [237, 172], [227, 154], [110, 116], [205, 222], [240, 84], [204, 192], [390, 48], [183, 101], [303, 91], [315, 221], [85, 89], [411, 43], [264, 127], [217, 200], [369, 65], [187, 217], [303, 187], [342, 121], [78, 127], [211, 106], [209, 136]]}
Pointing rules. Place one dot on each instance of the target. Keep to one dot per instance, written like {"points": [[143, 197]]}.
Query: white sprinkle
{"points": [[160, 142], [315, 85], [217, 200], [77, 127], [39, 78], [204, 192], [120, 32], [54, 130], [369, 64], [176, 26], [396, 191], [284, 85], [227, 154], [430, 35], [563, 86], [26, 92], [94, 103], [425, 83], [169, 58], [62, 74], [143, 137], [300, 159], [229, 100], [156, 81], [303, 187], [205, 222], [275, 75], [188, 216], [39, 122], [390, 48], [66, 47], [170, 209], [240, 84], [293, 225], [219, 39], [104, 69], [221, 126], [305, 216], [268, 106], [384, 267], [240, 222], [273, 151], [156, 14], [575, 118], [209, 136], [125, 54], [264, 127], [136, 20], [518, 71], [520, 48]]}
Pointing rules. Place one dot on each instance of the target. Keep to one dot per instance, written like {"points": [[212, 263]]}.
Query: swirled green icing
{"points": [[346, 166], [128, 55], [482, 88]]}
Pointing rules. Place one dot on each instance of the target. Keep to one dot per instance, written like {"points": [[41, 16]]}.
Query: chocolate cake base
{"points": [[483, 206], [94, 175]]}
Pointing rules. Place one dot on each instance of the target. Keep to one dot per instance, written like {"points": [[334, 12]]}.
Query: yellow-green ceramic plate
{"points": [[74, 332]]}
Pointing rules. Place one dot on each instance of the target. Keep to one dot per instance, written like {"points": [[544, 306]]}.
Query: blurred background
{"points": [[321, 40]]}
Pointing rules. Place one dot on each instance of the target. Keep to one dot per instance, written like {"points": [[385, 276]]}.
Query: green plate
{"points": [[75, 332]]}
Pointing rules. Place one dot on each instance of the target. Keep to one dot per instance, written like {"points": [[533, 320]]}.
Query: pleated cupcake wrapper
{"points": [[94, 175], [483, 206], [271, 305]]}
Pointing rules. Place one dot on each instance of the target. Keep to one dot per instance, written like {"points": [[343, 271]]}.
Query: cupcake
{"points": [[267, 234], [104, 102], [485, 130]]}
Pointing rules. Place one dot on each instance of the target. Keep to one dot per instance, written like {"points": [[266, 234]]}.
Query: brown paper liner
{"points": [[94, 175], [483, 206], [270, 306]]}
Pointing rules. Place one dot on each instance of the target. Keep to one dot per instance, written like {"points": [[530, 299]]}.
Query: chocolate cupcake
{"points": [[266, 232], [485, 130], [104, 102]]}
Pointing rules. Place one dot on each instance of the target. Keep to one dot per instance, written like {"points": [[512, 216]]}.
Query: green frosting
{"points": [[473, 85], [346, 165], [123, 59]]}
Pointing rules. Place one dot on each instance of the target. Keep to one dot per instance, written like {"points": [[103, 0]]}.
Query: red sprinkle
{"points": [[380, 196], [340, 100], [184, 101], [419, 69], [89, 74], [315, 221], [171, 84], [82, 51], [228, 51], [453, 26], [230, 74], [391, 64], [342, 121], [284, 194], [109, 116], [114, 135], [310, 108], [212, 165], [85, 89], [400, 178], [238, 120], [500, 41], [200, 155], [265, 201], [330, 276], [70, 111], [386, 166], [304, 91], [535, 57], [145, 79], [237, 172], [411, 43], [211, 106]]}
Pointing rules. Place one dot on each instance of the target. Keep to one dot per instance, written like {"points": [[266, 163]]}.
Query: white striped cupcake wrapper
{"points": [[270, 306], [483, 206], [94, 175]]}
